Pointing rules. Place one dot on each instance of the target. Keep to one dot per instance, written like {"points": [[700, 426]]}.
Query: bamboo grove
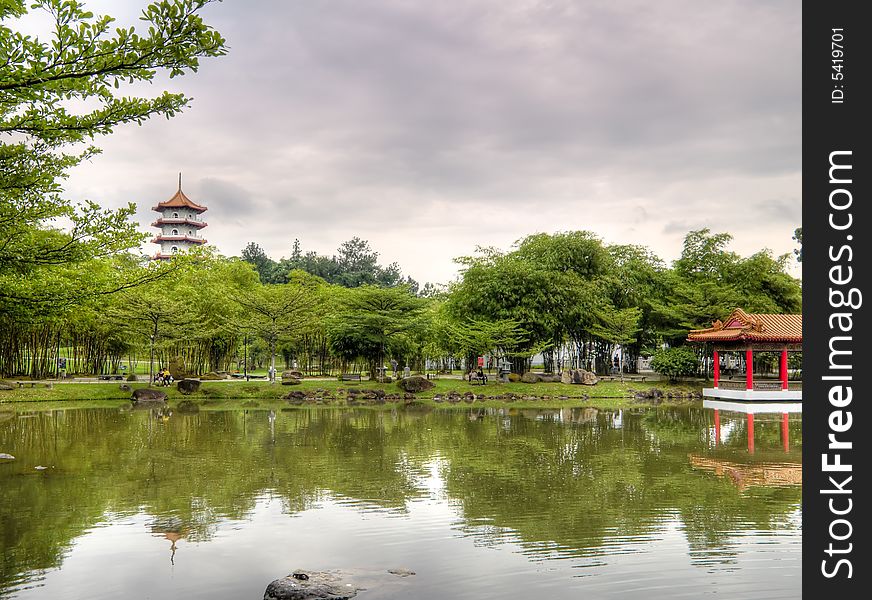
{"points": [[566, 297]]}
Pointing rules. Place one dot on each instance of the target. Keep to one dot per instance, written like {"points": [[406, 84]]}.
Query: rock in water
{"points": [[400, 572], [148, 396], [309, 585], [40, 468], [4, 456], [188, 386], [415, 384]]}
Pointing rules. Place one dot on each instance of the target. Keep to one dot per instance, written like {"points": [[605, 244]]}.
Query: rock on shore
{"points": [[415, 384], [188, 386], [148, 396]]}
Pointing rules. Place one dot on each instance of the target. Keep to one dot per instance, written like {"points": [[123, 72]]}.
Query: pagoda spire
{"points": [[180, 181]]}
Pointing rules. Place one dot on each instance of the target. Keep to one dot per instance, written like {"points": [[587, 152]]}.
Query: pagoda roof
{"points": [[741, 327], [179, 200]]}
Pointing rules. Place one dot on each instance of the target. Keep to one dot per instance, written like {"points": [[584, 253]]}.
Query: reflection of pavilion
{"points": [[171, 529], [744, 476], [749, 409], [746, 334]]}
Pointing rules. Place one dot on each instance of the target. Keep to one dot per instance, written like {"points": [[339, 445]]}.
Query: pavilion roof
{"points": [[741, 326]]}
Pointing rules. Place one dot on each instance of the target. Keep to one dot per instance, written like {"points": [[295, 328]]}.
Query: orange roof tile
{"points": [[179, 200], [742, 326]]}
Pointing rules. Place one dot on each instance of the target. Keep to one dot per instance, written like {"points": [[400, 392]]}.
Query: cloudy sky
{"points": [[431, 127]]}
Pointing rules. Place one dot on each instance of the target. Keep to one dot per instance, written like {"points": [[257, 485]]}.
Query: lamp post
{"points": [[245, 355], [151, 363]]}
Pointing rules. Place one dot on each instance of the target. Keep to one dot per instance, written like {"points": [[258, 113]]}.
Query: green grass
{"points": [[606, 394]]}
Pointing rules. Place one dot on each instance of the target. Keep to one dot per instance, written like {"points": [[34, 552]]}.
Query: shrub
{"points": [[514, 377], [131, 377], [674, 362]]}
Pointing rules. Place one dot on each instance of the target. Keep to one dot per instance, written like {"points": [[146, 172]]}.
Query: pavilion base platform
{"points": [[750, 408], [754, 395]]}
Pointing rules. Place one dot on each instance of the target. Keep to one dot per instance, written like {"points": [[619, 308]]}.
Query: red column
{"points": [[717, 427], [751, 433], [749, 369], [717, 370], [785, 432], [782, 369]]}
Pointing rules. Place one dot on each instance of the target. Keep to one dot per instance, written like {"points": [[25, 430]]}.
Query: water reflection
{"points": [[640, 496]]}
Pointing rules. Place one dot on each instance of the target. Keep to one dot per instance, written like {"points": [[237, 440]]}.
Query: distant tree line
{"points": [[354, 264]]}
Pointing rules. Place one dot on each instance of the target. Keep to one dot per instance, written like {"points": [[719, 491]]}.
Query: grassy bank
{"points": [[606, 394]]}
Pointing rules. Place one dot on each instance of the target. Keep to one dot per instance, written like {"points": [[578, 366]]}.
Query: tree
{"points": [[549, 285], [704, 254], [797, 237], [473, 337], [579, 252], [277, 313], [56, 96], [158, 313], [263, 264], [674, 362], [709, 282], [185, 314], [368, 319], [354, 264], [619, 327]]}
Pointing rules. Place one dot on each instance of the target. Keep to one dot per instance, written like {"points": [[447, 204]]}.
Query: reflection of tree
{"points": [[564, 485], [712, 507], [578, 486]]}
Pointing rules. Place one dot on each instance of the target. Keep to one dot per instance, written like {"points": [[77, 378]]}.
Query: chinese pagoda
{"points": [[735, 341], [179, 225]]}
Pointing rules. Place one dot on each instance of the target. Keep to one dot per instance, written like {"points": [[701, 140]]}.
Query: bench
{"points": [[473, 376], [33, 384], [110, 377], [349, 377]]}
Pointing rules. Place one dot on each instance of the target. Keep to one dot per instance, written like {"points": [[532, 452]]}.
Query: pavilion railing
{"points": [[762, 386]]}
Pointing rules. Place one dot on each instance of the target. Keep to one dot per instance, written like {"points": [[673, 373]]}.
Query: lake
{"points": [[478, 503]]}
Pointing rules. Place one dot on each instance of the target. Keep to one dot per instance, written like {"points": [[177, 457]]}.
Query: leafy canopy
{"points": [[56, 96]]}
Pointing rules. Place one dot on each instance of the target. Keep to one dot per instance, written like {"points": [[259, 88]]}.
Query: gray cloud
{"points": [[432, 127]]}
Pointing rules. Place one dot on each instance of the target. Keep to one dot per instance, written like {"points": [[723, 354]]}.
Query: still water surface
{"points": [[479, 504]]}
